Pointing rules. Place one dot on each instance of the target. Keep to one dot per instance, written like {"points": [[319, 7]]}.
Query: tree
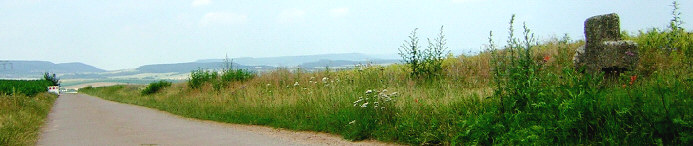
{"points": [[55, 81]]}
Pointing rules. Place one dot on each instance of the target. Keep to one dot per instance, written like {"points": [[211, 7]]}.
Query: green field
{"points": [[23, 87]]}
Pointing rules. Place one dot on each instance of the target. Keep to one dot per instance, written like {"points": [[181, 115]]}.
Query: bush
{"points": [[231, 75], [424, 63], [155, 87], [199, 77]]}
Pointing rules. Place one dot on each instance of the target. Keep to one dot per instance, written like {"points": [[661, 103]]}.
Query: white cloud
{"points": [[291, 15], [197, 3], [222, 18], [339, 12]]}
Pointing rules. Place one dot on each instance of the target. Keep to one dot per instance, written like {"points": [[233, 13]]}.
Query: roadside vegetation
{"points": [[24, 105], [28, 87], [155, 87], [526, 92]]}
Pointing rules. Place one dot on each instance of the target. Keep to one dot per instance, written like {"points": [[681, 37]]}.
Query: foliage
{"points": [[232, 75], [228, 74], [424, 63], [516, 72], [55, 81], [21, 117], [155, 87], [200, 76], [25, 87]]}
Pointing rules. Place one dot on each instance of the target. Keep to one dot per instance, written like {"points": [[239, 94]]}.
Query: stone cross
{"points": [[604, 50]]}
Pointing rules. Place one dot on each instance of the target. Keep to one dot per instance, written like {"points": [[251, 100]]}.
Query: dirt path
{"points": [[78, 119]]}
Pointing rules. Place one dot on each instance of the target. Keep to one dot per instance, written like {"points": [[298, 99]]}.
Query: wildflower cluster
{"points": [[325, 81], [375, 99]]}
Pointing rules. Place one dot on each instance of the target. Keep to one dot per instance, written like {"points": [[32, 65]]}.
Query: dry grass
{"points": [[21, 117]]}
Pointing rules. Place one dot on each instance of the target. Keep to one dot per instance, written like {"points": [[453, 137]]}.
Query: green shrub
{"points": [[231, 75], [200, 76], [516, 73], [426, 63], [155, 87]]}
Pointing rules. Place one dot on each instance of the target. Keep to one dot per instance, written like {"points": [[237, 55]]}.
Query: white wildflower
{"points": [[312, 78], [296, 84], [369, 91], [364, 105], [324, 79], [357, 101]]}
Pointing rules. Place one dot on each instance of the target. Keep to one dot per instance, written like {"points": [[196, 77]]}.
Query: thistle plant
{"points": [[426, 63]]}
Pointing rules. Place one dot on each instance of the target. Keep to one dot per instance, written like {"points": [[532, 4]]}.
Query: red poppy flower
{"points": [[633, 78], [546, 58]]}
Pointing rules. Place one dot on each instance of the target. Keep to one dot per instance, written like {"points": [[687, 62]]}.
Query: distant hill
{"points": [[293, 61], [187, 67], [344, 63], [19, 68], [35, 69]]}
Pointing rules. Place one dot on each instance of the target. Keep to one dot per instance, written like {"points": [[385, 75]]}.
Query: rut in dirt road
{"points": [[78, 119]]}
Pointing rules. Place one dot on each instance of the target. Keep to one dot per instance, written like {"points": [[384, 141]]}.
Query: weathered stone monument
{"points": [[604, 50]]}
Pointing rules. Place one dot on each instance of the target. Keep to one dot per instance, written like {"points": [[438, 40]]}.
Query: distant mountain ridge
{"points": [[345, 63], [20, 68], [189, 66], [293, 61], [35, 69]]}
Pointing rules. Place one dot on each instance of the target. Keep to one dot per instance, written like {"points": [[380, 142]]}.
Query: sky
{"points": [[126, 34]]}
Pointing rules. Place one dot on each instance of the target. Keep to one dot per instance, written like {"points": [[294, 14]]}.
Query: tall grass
{"points": [[21, 117], [525, 93]]}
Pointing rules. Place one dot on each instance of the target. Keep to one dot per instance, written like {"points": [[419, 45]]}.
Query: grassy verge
{"points": [[21, 117], [570, 107], [522, 94]]}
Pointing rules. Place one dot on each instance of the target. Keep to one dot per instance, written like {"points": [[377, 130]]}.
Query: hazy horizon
{"points": [[128, 34]]}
